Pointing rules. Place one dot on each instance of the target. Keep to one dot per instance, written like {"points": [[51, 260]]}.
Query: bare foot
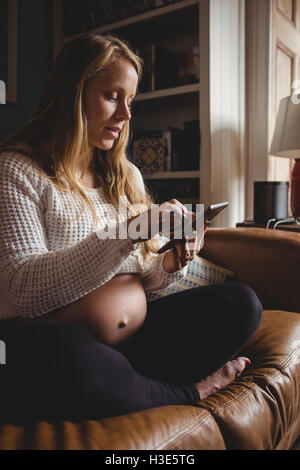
{"points": [[222, 377]]}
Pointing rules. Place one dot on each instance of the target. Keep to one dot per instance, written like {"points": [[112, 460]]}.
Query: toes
{"points": [[240, 364], [235, 367], [246, 359], [230, 369]]}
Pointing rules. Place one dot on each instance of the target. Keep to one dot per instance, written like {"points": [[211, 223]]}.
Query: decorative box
{"points": [[153, 149]]}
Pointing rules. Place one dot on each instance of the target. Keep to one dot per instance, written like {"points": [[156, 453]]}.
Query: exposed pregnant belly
{"points": [[112, 312]]}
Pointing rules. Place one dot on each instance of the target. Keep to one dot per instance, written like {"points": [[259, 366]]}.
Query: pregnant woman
{"points": [[78, 250]]}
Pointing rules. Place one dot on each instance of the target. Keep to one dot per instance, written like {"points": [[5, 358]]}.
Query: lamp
{"points": [[286, 143]]}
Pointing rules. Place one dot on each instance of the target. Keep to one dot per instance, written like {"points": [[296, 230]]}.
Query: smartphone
{"points": [[213, 210], [210, 213]]}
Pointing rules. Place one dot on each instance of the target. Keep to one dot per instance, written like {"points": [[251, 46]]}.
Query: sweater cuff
{"points": [[174, 276]]}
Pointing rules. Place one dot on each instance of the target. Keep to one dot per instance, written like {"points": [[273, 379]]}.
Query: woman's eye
{"points": [[114, 99]]}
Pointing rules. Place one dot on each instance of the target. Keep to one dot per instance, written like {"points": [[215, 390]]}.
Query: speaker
{"points": [[270, 200]]}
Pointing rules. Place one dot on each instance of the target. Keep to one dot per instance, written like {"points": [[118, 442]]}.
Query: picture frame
{"points": [[9, 51]]}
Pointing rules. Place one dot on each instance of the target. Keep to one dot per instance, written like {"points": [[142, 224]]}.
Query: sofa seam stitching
{"points": [[254, 385], [183, 432], [189, 431], [290, 358], [250, 387]]}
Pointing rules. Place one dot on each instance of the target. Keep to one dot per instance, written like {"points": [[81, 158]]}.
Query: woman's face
{"points": [[108, 101]]}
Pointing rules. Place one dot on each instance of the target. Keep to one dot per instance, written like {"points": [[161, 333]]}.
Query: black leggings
{"points": [[57, 370]]}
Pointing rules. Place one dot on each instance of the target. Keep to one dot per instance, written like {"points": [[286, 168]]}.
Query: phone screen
{"points": [[210, 213], [214, 210]]}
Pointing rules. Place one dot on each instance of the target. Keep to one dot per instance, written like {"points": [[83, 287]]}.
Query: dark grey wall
{"points": [[34, 62]]}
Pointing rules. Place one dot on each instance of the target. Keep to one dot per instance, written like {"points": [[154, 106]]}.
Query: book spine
{"points": [[146, 54], [196, 63], [188, 66], [168, 136], [191, 146], [177, 135], [153, 80], [184, 68]]}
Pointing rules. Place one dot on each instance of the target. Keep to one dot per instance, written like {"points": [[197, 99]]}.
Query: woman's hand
{"points": [[167, 220], [183, 251], [161, 219]]}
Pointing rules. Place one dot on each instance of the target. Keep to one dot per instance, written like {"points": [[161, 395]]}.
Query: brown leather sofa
{"points": [[260, 410]]}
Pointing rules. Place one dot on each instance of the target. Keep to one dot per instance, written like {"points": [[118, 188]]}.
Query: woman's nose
{"points": [[123, 112]]}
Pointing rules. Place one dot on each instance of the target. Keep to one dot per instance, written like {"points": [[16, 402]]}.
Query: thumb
{"points": [[166, 247]]}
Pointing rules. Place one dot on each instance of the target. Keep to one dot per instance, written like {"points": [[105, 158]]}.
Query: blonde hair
{"points": [[57, 133]]}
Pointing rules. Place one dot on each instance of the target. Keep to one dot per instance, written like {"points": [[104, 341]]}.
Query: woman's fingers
{"points": [[176, 222], [171, 219], [175, 205]]}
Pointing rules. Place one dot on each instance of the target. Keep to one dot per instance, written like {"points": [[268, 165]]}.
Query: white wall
{"points": [[227, 108]]}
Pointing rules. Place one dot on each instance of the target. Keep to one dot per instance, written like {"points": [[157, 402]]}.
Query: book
{"points": [[189, 66], [165, 69], [160, 68], [190, 153], [165, 65], [147, 81], [150, 154]]}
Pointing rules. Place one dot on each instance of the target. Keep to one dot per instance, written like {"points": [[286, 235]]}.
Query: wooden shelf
{"points": [[180, 90], [121, 24], [173, 175]]}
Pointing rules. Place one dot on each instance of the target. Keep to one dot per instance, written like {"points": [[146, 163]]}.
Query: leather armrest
{"points": [[166, 427], [267, 260]]}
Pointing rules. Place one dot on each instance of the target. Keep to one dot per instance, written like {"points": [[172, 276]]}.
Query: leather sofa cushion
{"points": [[168, 427], [261, 409]]}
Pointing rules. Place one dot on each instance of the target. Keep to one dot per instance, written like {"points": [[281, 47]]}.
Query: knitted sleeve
{"points": [[154, 276], [34, 280]]}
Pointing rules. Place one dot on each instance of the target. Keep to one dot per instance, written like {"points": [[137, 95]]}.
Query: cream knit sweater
{"points": [[46, 259]]}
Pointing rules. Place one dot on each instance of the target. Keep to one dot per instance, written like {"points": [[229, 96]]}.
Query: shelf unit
{"points": [[165, 107], [219, 29], [137, 20]]}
